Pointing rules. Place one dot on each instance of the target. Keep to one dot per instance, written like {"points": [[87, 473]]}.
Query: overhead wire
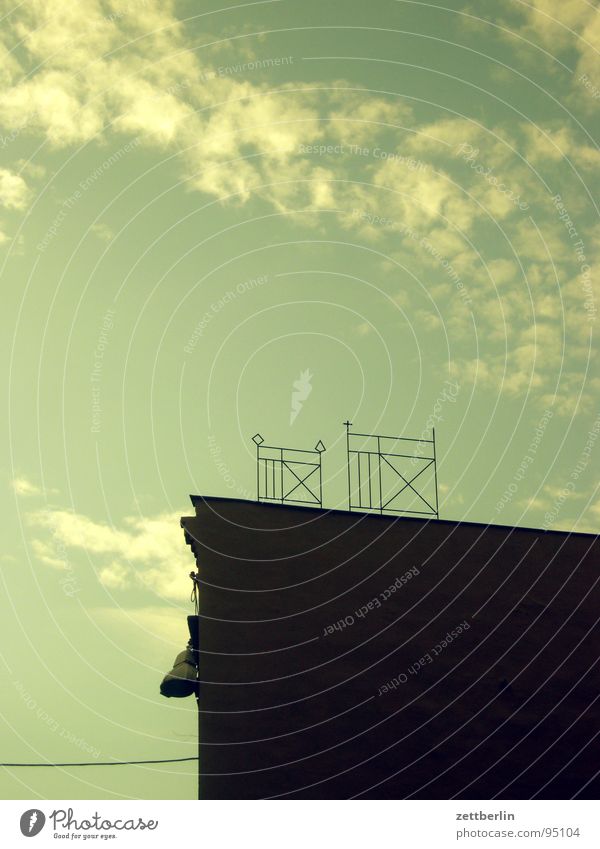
{"points": [[104, 763]]}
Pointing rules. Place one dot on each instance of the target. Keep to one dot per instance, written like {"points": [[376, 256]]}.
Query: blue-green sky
{"points": [[392, 203]]}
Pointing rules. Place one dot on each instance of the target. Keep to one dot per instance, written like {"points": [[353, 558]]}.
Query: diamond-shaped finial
{"points": [[258, 439], [319, 446]]}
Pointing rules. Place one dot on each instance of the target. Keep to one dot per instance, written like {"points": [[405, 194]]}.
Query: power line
{"points": [[106, 763]]}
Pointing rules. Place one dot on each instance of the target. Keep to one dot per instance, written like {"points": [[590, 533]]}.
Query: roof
{"points": [[209, 499]]}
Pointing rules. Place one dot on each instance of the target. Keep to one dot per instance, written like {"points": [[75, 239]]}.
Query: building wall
{"points": [[327, 671]]}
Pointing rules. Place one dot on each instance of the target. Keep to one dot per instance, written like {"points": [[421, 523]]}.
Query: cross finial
{"points": [[348, 425]]}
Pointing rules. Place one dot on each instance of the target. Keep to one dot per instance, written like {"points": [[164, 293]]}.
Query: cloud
{"points": [[564, 26], [151, 630], [102, 231], [46, 553], [552, 143], [595, 510], [95, 69], [50, 102], [556, 23], [115, 576], [146, 552], [14, 193], [102, 70], [86, 76], [88, 64], [23, 486], [356, 119]]}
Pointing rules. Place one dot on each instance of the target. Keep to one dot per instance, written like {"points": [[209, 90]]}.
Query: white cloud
{"points": [[96, 69], [46, 553], [153, 630], [356, 118], [556, 23], [115, 576], [93, 73], [102, 231], [14, 193], [548, 143], [566, 25], [145, 551], [23, 486]]}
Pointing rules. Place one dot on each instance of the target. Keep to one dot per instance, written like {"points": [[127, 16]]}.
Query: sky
{"points": [[220, 219]]}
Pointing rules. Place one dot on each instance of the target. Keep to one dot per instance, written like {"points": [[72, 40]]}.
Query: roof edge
{"points": [[198, 499]]}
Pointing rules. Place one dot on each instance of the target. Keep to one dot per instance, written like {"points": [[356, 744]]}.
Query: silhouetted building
{"points": [[350, 654]]}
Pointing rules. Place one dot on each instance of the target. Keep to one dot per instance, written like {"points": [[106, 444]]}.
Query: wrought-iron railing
{"points": [[289, 475], [392, 474]]}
